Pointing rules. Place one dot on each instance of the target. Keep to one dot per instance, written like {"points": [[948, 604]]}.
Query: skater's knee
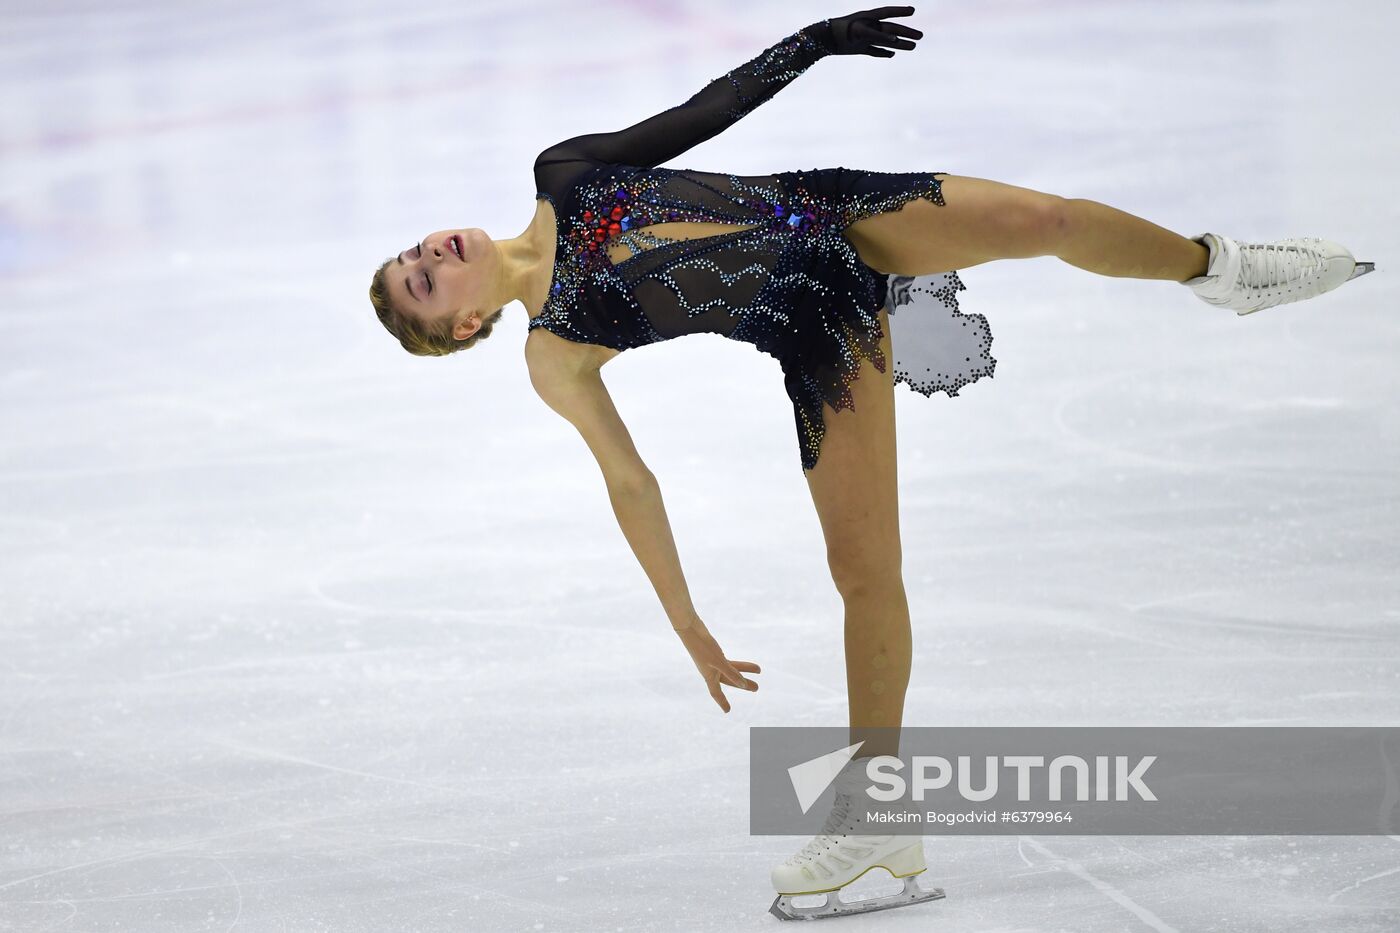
{"points": [[866, 572], [1035, 224]]}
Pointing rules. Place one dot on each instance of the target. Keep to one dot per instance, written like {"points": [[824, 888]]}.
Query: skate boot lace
{"points": [[1265, 266], [827, 837]]}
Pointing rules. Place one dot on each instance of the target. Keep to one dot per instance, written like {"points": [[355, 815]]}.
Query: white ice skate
{"points": [[838, 855], [1248, 277]]}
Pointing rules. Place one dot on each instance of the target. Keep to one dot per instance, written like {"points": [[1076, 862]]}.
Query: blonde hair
{"points": [[416, 337]]}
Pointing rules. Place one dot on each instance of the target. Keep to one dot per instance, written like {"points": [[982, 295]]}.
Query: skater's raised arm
{"points": [[583, 400], [728, 98]]}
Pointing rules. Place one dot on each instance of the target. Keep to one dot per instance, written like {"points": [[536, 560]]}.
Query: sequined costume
{"points": [[780, 277]]}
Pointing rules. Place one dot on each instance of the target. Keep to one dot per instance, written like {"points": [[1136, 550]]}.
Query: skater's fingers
{"points": [[718, 694], [733, 677], [876, 36], [898, 29], [728, 676], [885, 12], [749, 666]]}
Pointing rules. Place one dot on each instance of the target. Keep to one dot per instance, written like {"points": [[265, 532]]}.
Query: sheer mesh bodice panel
{"points": [[645, 254], [650, 254]]}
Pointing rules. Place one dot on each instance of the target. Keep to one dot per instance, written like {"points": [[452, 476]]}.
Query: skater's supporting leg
{"points": [[855, 491], [982, 220], [878, 649]]}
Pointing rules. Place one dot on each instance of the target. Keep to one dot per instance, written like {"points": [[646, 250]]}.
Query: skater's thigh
{"points": [[854, 484], [980, 220]]}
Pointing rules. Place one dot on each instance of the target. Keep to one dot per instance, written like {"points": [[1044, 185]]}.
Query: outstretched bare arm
{"points": [[583, 400]]}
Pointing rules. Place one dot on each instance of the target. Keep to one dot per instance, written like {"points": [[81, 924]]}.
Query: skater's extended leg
{"points": [[854, 489], [1109, 241], [982, 220]]}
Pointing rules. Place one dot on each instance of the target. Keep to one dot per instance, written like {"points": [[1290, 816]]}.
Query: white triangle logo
{"points": [[810, 778]]}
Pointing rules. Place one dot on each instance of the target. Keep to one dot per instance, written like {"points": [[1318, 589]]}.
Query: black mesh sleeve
{"points": [[717, 106]]}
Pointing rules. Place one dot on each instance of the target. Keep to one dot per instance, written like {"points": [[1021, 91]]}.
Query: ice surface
{"points": [[299, 632]]}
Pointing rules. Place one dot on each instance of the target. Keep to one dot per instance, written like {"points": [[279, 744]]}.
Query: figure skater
{"points": [[622, 253]]}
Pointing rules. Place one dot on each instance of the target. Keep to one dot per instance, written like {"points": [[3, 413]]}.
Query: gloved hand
{"points": [[864, 33]]}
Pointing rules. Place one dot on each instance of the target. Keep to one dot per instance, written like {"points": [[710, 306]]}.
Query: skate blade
{"points": [[1361, 269], [784, 909]]}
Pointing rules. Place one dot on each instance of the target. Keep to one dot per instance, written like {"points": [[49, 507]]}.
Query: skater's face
{"points": [[446, 279]]}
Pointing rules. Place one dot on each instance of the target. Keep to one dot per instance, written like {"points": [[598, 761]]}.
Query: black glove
{"points": [[864, 33]]}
